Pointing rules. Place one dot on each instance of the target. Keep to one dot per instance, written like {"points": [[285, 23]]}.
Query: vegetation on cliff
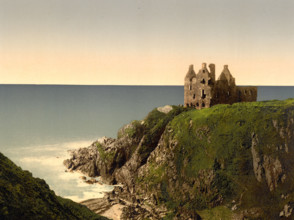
{"points": [[25, 197], [228, 161], [236, 157], [154, 125]]}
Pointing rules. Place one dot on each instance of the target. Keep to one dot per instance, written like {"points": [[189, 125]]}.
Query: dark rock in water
{"points": [[229, 161], [83, 160], [91, 181], [83, 177], [102, 158]]}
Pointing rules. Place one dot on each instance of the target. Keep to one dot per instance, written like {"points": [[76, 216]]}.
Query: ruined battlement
{"points": [[202, 90]]}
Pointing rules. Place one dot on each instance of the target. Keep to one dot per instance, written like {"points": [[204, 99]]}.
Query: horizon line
{"points": [[45, 84]]}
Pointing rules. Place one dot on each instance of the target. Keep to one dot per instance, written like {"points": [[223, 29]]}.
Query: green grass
{"points": [[155, 175], [132, 130], [229, 130], [217, 213], [105, 156]]}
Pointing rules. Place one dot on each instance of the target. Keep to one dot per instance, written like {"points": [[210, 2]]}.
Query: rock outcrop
{"points": [[229, 161], [106, 155]]}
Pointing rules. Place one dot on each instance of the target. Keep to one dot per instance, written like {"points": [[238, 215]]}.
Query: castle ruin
{"points": [[202, 90]]}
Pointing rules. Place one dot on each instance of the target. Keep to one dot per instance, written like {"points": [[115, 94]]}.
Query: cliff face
{"points": [[25, 197], [229, 161], [118, 160]]}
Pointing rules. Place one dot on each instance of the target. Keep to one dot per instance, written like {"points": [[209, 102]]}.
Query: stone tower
{"points": [[205, 81], [201, 90], [189, 87], [226, 90]]}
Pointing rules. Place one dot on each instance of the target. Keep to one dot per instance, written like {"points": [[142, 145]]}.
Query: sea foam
{"points": [[46, 162]]}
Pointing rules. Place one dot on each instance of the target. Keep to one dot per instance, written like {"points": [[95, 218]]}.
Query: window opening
{"points": [[203, 95]]}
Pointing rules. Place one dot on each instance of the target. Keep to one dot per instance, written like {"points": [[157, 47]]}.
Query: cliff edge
{"points": [[228, 161]]}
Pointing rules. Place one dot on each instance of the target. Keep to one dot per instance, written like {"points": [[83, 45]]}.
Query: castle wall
{"points": [[225, 93], [189, 92], [247, 93]]}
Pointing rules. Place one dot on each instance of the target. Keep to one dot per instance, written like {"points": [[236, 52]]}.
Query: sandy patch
{"points": [[114, 212]]}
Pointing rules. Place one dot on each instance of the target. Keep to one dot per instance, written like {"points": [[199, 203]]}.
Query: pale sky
{"points": [[145, 42]]}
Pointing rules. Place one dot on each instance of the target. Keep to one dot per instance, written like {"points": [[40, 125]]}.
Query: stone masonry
{"points": [[202, 90]]}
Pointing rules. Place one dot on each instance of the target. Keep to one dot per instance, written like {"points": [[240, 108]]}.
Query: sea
{"points": [[39, 124]]}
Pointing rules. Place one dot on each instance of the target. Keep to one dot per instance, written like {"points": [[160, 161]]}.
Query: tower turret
{"points": [[227, 76], [189, 87], [191, 73]]}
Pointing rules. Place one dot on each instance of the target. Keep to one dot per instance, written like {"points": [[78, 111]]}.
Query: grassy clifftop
{"points": [[25, 197], [224, 132], [230, 161]]}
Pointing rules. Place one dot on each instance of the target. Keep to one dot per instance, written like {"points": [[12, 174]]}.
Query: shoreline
{"points": [[46, 162]]}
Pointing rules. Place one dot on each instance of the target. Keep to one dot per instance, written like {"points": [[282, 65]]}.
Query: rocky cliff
{"points": [[226, 162], [25, 197]]}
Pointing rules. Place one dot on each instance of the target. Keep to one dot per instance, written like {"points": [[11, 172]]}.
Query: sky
{"points": [[145, 42]]}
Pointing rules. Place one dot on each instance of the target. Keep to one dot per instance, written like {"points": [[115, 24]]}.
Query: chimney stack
{"points": [[212, 70]]}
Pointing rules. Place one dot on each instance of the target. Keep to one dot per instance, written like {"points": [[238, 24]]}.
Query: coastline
{"points": [[46, 162]]}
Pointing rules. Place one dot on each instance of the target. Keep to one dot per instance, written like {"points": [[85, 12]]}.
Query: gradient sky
{"points": [[145, 42]]}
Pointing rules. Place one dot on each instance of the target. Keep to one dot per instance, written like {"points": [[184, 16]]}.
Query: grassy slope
{"points": [[25, 197], [155, 124], [219, 139]]}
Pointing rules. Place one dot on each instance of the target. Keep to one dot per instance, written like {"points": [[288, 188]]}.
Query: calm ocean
{"points": [[39, 123]]}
